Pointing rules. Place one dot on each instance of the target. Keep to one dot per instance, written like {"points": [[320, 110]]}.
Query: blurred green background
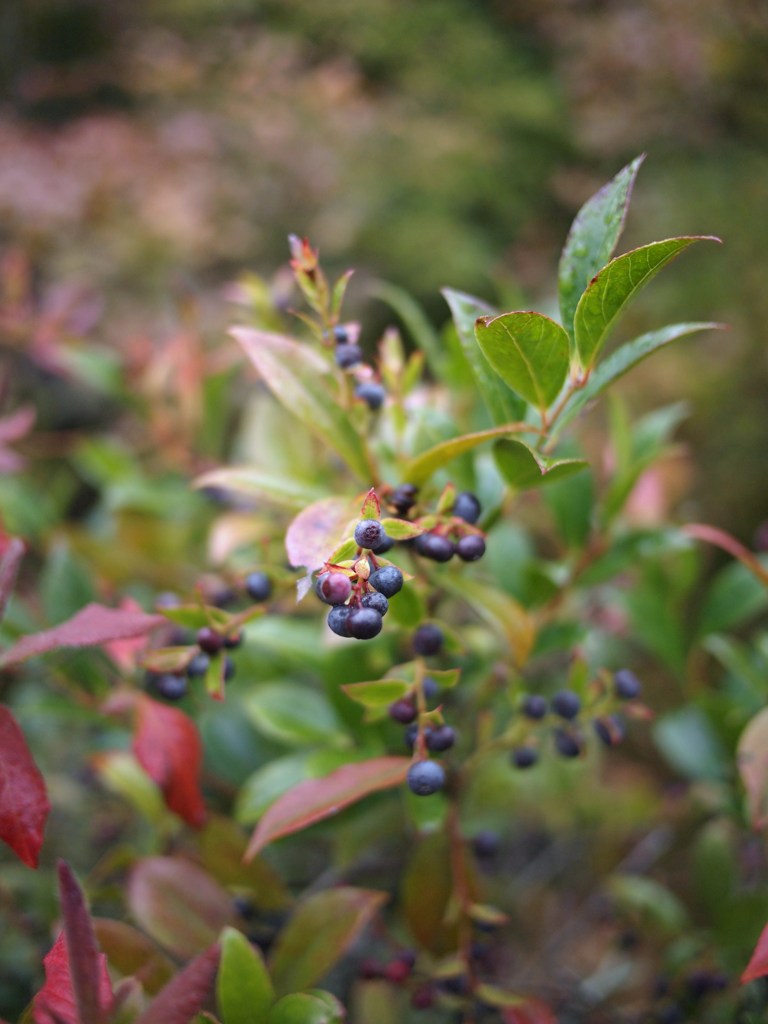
{"points": [[153, 149]]}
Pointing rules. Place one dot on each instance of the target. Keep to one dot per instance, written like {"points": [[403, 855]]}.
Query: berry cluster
{"points": [[566, 705], [454, 533], [349, 356]]}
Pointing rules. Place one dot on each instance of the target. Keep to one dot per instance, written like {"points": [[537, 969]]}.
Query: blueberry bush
{"points": [[380, 685]]}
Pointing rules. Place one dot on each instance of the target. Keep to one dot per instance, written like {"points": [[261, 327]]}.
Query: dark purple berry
{"points": [[388, 580], [402, 711], [340, 334], [386, 545], [244, 908], [369, 533], [229, 669], [470, 548], [567, 744], [435, 547], [567, 704], [430, 688], [467, 507], [610, 730], [428, 640], [364, 623], [337, 619], [409, 736], [348, 355], [224, 598], [334, 587], [403, 498], [524, 757], [372, 394], [376, 601], [170, 686], [425, 778], [197, 668], [456, 986], [486, 844], [209, 640], [233, 641], [258, 586], [534, 706], [626, 684], [441, 738]]}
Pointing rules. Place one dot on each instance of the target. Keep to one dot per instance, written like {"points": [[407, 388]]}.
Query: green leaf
{"points": [[301, 381], [319, 933], [734, 597], [610, 291], [294, 714], [690, 744], [414, 319], [501, 611], [503, 405], [529, 352], [267, 784], [624, 359], [253, 482], [243, 987], [593, 237], [421, 468], [522, 467], [401, 529], [305, 1008], [379, 694], [425, 892], [652, 901]]}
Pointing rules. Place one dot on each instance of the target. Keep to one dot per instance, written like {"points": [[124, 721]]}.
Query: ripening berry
{"points": [[567, 743], [209, 640], [610, 730], [524, 757], [333, 587], [258, 586], [467, 507], [440, 738], [567, 704], [428, 640], [435, 547], [337, 619], [364, 623], [402, 711], [626, 685], [388, 580], [348, 355], [425, 778], [372, 394], [233, 641], [369, 533], [403, 498], [376, 601], [470, 548], [534, 706]]}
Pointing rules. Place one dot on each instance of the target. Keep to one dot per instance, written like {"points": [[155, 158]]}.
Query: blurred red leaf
{"points": [[317, 530], [167, 746], [24, 802], [534, 1012], [93, 625], [758, 963], [11, 555], [315, 799], [124, 651], [12, 428], [55, 1002], [86, 962], [183, 997]]}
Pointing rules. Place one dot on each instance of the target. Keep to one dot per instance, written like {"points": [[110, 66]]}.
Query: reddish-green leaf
{"points": [[24, 802], [317, 530], [318, 934], [186, 994], [315, 799], [752, 759], [758, 962], [178, 904], [85, 960], [301, 381], [371, 508], [167, 746], [55, 1002], [9, 567], [93, 625]]}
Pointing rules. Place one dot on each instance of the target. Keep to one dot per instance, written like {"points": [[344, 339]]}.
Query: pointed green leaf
{"points": [[301, 381], [293, 714], [421, 468], [243, 987], [379, 694], [529, 352], [305, 1008], [613, 287], [321, 930], [401, 529], [371, 508], [523, 468], [593, 237], [624, 359], [503, 404], [253, 482]]}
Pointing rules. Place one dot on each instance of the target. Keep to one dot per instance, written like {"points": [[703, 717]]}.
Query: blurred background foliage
{"points": [[154, 149]]}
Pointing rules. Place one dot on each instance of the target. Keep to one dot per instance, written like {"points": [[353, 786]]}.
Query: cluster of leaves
{"points": [[404, 907]]}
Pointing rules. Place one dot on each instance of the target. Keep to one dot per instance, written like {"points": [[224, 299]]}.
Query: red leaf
{"points": [[93, 625], [534, 1012], [125, 650], [12, 554], [183, 997], [55, 1002], [167, 746], [315, 799], [24, 803], [317, 530], [758, 963], [82, 949]]}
